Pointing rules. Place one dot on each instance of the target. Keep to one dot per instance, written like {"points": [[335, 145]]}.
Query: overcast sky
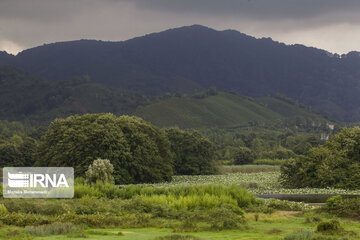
{"points": [[333, 25]]}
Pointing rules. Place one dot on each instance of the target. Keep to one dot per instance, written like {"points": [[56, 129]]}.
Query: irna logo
{"points": [[20, 180], [38, 182]]}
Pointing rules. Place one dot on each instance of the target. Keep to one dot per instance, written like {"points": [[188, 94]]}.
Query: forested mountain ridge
{"points": [[191, 58], [24, 97]]}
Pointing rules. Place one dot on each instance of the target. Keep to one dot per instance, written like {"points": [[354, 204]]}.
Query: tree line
{"points": [[334, 164], [139, 151]]}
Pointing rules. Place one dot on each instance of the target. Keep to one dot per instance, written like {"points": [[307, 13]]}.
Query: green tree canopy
{"points": [[335, 164], [244, 155], [139, 152], [193, 154], [18, 152]]}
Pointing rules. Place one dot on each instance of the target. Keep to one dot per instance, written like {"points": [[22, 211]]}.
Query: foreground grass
{"points": [[189, 207], [269, 227]]}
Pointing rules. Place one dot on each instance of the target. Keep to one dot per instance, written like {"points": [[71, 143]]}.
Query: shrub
{"points": [[285, 205], [301, 235], [22, 219], [51, 229], [344, 207], [188, 224], [3, 210], [280, 153], [312, 218], [108, 189], [81, 190], [46, 207], [225, 217], [332, 226], [90, 205], [267, 161], [100, 170], [334, 203]]}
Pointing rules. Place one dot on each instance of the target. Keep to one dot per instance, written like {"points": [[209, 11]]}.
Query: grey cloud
{"points": [[264, 9], [28, 23]]}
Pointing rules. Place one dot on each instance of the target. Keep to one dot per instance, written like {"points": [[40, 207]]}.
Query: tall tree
{"points": [[193, 154], [138, 150]]}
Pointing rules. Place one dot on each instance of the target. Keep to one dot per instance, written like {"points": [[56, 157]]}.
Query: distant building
{"points": [[331, 126]]}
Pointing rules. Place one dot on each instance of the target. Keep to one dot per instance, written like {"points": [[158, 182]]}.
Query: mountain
{"points": [[27, 98], [227, 110], [191, 58], [6, 58], [24, 97]]}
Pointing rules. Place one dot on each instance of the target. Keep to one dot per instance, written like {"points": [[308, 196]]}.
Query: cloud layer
{"points": [[329, 24]]}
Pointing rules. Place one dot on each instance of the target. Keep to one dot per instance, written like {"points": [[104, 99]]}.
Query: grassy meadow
{"points": [[220, 206], [258, 179]]}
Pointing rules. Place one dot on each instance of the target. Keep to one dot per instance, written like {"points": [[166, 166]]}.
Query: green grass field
{"points": [[163, 211], [269, 226]]}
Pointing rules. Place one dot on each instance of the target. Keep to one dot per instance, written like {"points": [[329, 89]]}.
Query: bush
{"points": [[344, 207], [49, 207], [81, 190], [312, 218], [22, 219], [52, 229], [133, 206], [267, 161], [188, 224], [100, 170], [285, 205], [280, 153], [332, 226], [334, 203], [3, 210], [225, 217], [90, 205], [301, 235]]}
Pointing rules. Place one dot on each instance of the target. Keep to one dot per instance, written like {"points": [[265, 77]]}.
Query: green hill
{"points": [[227, 110]]}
